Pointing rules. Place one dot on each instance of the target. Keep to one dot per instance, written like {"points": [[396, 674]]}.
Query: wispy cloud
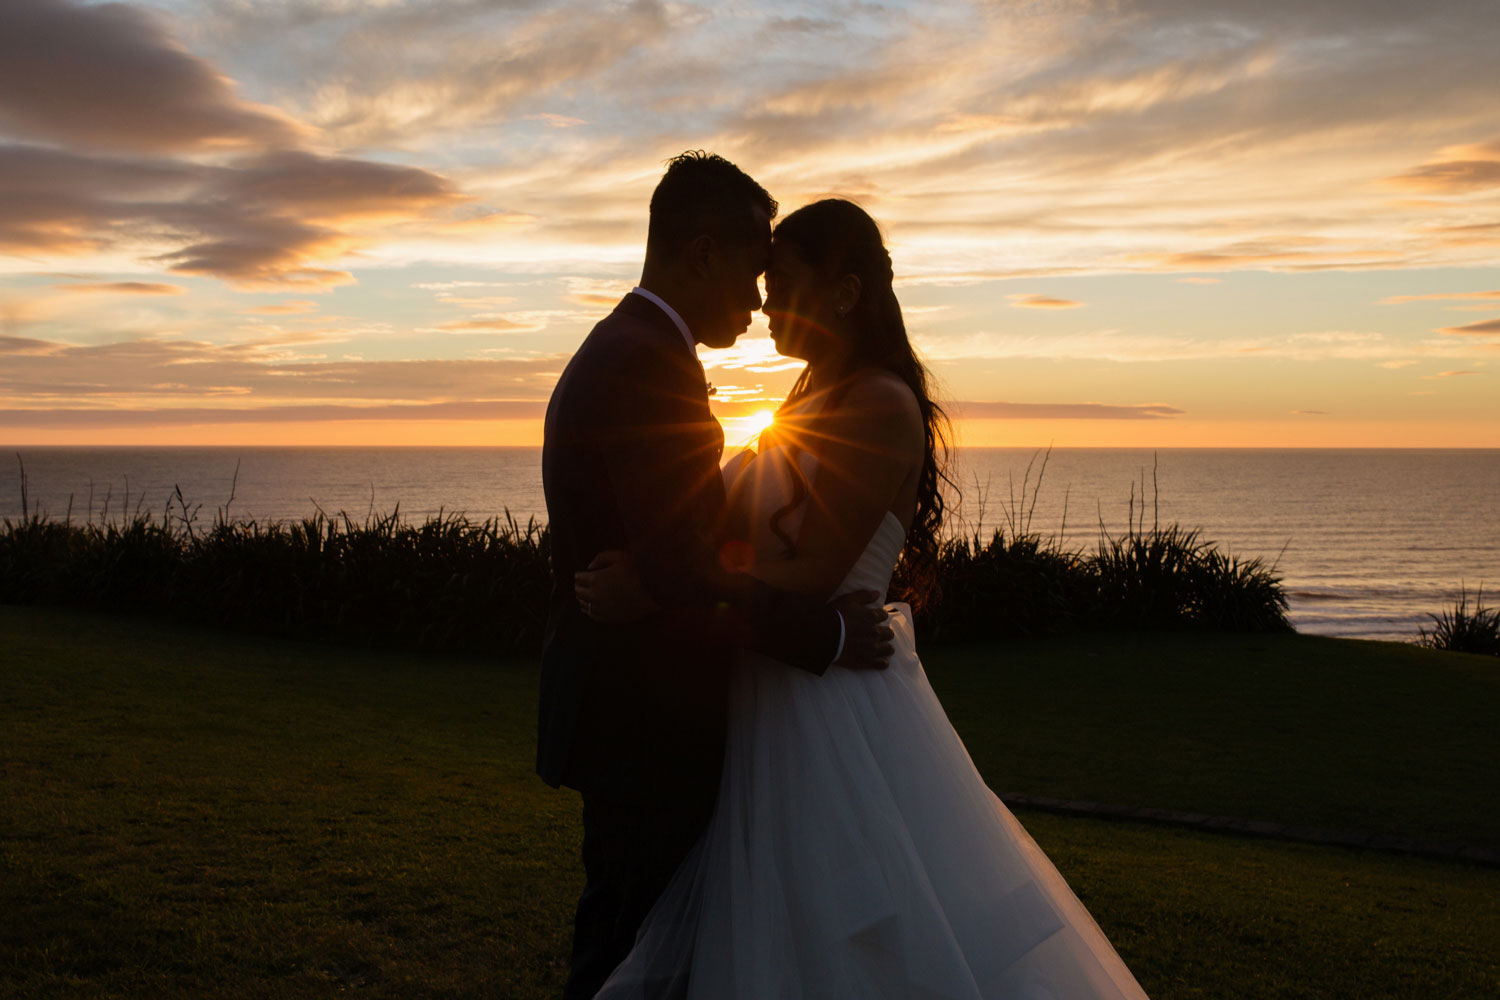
{"points": [[44, 375], [1026, 301], [1484, 328], [971, 410], [489, 324], [1462, 169], [1145, 348], [1478, 234], [292, 308], [123, 288], [1291, 253], [1440, 297], [556, 121], [497, 409], [403, 71]]}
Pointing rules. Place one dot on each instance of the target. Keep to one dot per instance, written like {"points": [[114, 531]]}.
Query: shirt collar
{"points": [[660, 303]]}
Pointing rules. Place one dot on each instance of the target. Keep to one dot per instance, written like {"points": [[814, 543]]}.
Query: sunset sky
{"points": [[1176, 223]]}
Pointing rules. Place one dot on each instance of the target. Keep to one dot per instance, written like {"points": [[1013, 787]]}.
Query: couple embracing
{"points": [[774, 802]]}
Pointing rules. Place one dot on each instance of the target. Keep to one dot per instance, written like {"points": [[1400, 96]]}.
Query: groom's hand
{"points": [[610, 590], [867, 637]]}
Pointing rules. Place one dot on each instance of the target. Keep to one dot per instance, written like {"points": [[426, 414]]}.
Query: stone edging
{"points": [[1259, 828]]}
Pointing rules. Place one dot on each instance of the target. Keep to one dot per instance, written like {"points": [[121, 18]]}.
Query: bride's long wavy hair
{"points": [[837, 237]]}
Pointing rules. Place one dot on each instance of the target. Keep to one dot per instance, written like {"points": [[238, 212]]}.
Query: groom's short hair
{"points": [[704, 194]]}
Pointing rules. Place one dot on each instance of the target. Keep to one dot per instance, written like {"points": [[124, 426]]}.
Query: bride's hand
{"points": [[610, 590]]}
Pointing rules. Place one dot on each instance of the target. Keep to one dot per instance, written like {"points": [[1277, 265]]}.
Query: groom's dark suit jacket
{"points": [[636, 713]]}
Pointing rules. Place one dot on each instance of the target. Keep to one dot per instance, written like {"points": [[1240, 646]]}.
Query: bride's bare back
{"points": [[867, 441]]}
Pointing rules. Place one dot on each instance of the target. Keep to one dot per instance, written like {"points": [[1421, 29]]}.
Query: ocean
{"points": [[1368, 541]]}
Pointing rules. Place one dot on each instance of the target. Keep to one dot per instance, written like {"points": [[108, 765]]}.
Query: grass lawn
{"points": [[1377, 737], [186, 813]]}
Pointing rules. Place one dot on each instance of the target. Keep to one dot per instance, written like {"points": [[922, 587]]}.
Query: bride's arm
{"points": [[866, 449]]}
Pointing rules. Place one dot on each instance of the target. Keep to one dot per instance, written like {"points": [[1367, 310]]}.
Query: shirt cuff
{"points": [[840, 650]]}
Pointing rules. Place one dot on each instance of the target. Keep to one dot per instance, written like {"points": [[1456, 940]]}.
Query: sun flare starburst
{"points": [[760, 420]]}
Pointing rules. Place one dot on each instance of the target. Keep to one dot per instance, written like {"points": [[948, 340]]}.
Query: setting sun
{"points": [[759, 421]]}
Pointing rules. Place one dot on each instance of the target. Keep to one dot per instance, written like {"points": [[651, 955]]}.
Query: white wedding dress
{"points": [[855, 852]]}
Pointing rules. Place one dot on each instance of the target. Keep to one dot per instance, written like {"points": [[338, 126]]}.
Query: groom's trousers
{"points": [[629, 855]]}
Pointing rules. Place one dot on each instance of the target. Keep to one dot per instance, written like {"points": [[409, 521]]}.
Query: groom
{"points": [[634, 716]]}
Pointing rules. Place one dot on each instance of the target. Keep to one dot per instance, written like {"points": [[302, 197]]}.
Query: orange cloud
{"points": [[1061, 411], [22, 346], [287, 308], [256, 265], [1467, 168], [1456, 175], [595, 300], [596, 293], [1438, 297], [124, 287], [1290, 253], [1474, 234], [1484, 328], [1041, 302], [115, 417], [54, 201], [487, 324], [333, 189], [49, 374], [556, 121], [257, 223]]}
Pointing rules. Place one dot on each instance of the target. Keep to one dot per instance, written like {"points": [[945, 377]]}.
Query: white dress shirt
{"points": [[661, 304]]}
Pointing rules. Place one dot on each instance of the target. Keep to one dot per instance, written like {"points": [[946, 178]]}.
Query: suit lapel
{"points": [[704, 436], [643, 309]]}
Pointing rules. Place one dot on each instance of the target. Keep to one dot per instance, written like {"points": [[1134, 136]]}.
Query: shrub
{"points": [[1023, 583], [448, 583], [451, 583], [1460, 630]]}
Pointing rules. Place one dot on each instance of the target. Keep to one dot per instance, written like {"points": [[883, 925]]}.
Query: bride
{"points": [[854, 852]]}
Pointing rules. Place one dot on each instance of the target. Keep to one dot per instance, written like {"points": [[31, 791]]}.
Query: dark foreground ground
{"points": [[188, 814]]}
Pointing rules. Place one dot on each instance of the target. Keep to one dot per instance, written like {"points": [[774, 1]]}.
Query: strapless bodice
{"points": [[873, 569], [764, 485]]}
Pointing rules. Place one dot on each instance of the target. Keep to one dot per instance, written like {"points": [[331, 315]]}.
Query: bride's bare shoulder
{"points": [[883, 407], [881, 392]]}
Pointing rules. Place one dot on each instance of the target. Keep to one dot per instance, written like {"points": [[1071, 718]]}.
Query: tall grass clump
{"points": [[1015, 582], [1460, 630], [447, 583], [1021, 582], [1169, 577]]}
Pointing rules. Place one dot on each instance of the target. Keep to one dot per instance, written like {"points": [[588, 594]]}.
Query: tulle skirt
{"points": [[855, 852]]}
